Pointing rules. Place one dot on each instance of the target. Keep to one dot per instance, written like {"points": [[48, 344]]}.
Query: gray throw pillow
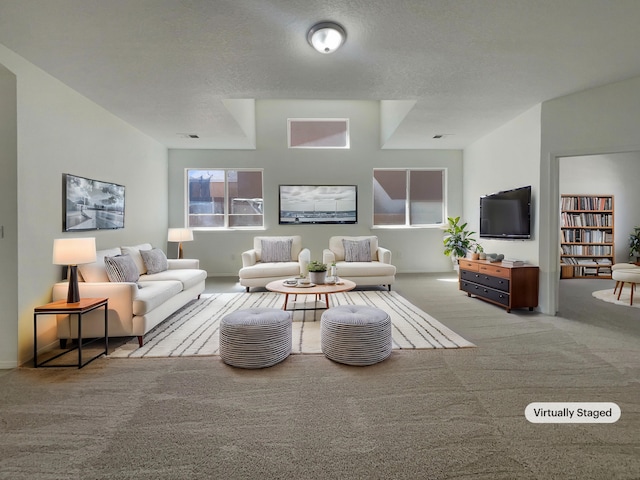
{"points": [[276, 250], [154, 260], [357, 250], [121, 268]]}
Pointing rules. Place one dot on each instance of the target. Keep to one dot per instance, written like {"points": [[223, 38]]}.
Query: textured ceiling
{"points": [[453, 67]]}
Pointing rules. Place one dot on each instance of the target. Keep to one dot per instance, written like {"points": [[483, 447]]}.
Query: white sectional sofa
{"points": [[134, 307], [260, 267], [360, 260]]}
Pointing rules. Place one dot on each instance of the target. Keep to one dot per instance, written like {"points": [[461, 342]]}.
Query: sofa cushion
{"points": [[357, 250], [276, 250], [153, 294], [188, 277], [121, 268], [154, 260], [134, 251], [266, 270], [336, 246], [95, 271], [365, 269]]}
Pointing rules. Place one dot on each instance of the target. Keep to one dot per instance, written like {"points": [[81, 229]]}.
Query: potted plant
{"points": [[634, 243], [476, 249], [458, 240], [317, 272]]}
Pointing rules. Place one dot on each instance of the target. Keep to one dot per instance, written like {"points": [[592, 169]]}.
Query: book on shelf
{"points": [[603, 261]]}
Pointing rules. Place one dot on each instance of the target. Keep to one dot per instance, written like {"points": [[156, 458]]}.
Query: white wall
{"points": [[59, 131], [596, 121], [505, 159], [8, 219], [607, 175], [414, 250]]}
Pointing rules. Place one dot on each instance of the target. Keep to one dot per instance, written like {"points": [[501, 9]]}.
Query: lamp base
{"points": [[73, 294], [180, 250]]}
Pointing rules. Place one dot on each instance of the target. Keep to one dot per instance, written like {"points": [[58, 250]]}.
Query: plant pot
{"points": [[475, 256], [454, 260], [318, 277]]}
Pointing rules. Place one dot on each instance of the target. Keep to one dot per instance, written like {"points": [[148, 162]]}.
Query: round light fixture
{"points": [[326, 37]]}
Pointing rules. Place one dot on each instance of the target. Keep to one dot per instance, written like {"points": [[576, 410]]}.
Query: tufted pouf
{"points": [[255, 337], [356, 334], [622, 276]]}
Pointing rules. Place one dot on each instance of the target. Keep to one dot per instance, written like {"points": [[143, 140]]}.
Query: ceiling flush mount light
{"points": [[326, 37]]}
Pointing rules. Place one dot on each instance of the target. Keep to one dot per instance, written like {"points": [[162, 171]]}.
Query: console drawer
{"points": [[467, 265], [489, 293], [495, 270], [498, 283]]}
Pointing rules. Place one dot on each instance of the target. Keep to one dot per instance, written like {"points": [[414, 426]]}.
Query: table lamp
{"points": [[180, 235], [73, 252]]}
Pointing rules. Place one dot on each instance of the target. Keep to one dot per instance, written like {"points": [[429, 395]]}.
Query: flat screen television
{"points": [[318, 204], [92, 204], [506, 214]]}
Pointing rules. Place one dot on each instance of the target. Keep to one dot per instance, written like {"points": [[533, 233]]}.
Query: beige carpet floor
{"points": [[421, 414]]}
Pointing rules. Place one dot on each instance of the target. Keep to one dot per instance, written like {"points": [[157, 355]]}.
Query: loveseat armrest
{"points": [[328, 256], [384, 255], [183, 263], [249, 258]]}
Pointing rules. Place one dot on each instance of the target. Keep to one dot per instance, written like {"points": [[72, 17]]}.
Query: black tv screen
{"points": [[506, 214], [92, 204], [313, 204]]}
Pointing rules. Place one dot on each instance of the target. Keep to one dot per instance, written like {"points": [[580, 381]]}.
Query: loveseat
{"points": [[273, 258], [154, 288], [361, 260]]}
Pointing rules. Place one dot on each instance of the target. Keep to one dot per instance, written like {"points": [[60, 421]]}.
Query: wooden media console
{"points": [[506, 286]]}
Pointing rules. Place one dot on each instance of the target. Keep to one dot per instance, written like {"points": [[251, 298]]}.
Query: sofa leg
{"points": [[198, 297], [63, 343], [140, 340], [247, 289], [389, 287]]}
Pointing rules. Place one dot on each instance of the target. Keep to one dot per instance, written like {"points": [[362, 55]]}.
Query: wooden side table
{"points": [[85, 305]]}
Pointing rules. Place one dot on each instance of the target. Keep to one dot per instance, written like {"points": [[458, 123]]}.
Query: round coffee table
{"points": [[317, 290]]}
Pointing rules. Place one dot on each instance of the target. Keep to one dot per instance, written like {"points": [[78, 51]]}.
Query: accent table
{"points": [[317, 290], [85, 305]]}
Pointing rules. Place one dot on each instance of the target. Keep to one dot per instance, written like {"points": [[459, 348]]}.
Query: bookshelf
{"points": [[586, 236]]}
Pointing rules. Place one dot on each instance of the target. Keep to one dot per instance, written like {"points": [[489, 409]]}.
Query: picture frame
{"points": [[90, 204], [318, 204]]}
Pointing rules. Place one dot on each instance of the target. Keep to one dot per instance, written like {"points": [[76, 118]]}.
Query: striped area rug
{"points": [[193, 330]]}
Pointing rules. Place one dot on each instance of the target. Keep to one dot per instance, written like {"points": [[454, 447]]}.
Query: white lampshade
{"points": [[180, 235], [326, 37], [74, 251]]}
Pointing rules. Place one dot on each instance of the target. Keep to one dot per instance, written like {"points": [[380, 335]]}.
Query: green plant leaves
{"points": [[458, 240]]}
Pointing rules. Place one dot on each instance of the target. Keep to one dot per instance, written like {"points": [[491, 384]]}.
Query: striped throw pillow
{"points": [[276, 250], [357, 250], [121, 268]]}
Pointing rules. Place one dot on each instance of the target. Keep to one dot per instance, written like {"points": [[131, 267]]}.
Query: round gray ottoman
{"points": [[255, 337], [355, 334]]}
